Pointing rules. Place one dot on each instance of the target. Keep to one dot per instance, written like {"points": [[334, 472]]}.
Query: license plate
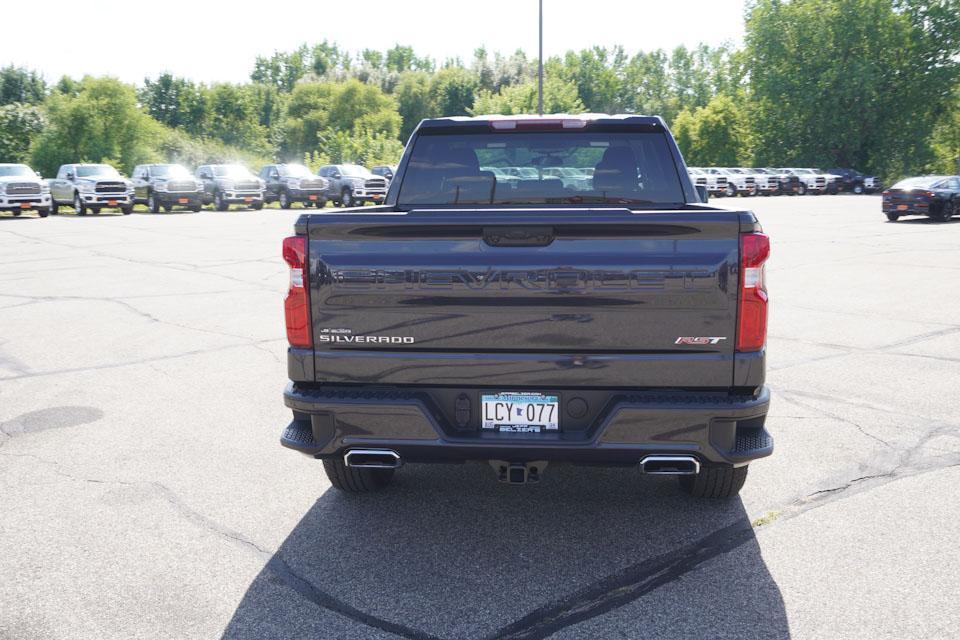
{"points": [[24, 205], [520, 412], [901, 207], [377, 197], [314, 198], [111, 203], [183, 200]]}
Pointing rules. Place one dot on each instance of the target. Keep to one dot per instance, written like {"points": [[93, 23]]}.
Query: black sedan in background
{"points": [[935, 196], [853, 181]]}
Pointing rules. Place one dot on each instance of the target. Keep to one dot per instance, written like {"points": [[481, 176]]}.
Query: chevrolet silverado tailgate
{"points": [[600, 297]]}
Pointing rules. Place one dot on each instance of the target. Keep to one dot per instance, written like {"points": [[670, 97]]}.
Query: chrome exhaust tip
{"points": [[670, 465], [372, 459]]}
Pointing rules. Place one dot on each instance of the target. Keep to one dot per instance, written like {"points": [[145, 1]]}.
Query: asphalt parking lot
{"points": [[145, 494]]}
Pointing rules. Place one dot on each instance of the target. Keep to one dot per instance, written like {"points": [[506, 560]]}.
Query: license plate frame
{"points": [[902, 207], [520, 412]]}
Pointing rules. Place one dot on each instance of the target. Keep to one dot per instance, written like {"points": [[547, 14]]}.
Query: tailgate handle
{"points": [[518, 236]]}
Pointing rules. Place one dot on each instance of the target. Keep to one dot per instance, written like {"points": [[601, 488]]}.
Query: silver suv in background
{"points": [[227, 184], [166, 186], [90, 187], [22, 189], [289, 183], [351, 184]]}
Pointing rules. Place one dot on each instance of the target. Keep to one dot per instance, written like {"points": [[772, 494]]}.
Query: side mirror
{"points": [[703, 193], [70, 175], [336, 175]]}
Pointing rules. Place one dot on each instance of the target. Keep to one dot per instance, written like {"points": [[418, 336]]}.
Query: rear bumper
{"points": [[716, 427]]}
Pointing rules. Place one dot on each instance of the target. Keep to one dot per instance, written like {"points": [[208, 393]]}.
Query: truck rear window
{"points": [[542, 167]]}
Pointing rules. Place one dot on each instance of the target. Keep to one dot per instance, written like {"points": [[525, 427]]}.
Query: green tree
{"points": [[21, 85], [559, 96], [714, 135], [945, 141], [234, 117], [851, 82], [452, 91], [413, 100], [101, 123], [19, 125]]}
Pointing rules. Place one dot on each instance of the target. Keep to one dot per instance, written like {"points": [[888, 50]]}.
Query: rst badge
{"points": [[699, 340]]}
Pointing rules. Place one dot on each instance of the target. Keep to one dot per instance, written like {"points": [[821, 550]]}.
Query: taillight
{"points": [[296, 305], [541, 124], [752, 321]]}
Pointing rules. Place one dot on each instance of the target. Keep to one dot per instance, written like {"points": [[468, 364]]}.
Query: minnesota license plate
{"points": [[313, 198], [248, 199], [111, 203], [901, 207], [520, 412], [24, 205], [183, 200]]}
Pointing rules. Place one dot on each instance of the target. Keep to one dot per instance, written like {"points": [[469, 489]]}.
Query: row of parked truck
{"points": [[742, 181], [88, 188]]}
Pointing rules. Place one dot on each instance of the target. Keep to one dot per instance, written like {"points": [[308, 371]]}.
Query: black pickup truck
{"points": [[523, 322]]}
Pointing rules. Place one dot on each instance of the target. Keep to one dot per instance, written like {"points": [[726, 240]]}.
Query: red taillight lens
{"points": [[752, 321], [296, 305]]}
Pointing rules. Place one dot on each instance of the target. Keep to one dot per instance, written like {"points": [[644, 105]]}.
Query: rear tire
{"points": [[715, 482], [54, 207], [219, 203], [351, 480], [346, 198], [285, 202], [892, 217], [947, 211], [802, 189], [731, 191], [153, 204]]}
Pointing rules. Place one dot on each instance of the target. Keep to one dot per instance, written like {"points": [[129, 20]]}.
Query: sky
{"points": [[218, 41]]}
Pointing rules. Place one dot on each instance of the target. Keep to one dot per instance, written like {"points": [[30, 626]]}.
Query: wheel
{"points": [[153, 204], [731, 190], [754, 192], [43, 212], [947, 211], [168, 208], [258, 205], [285, 200], [219, 203], [346, 198], [892, 217], [351, 480], [16, 213], [127, 209], [802, 189], [858, 188], [54, 207], [714, 482], [95, 210], [78, 205], [320, 204], [195, 208]]}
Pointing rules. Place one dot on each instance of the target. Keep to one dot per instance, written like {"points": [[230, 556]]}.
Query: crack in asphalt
{"points": [[806, 405]]}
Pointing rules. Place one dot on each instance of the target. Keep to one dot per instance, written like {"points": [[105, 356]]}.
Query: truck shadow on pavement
{"points": [[446, 552]]}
